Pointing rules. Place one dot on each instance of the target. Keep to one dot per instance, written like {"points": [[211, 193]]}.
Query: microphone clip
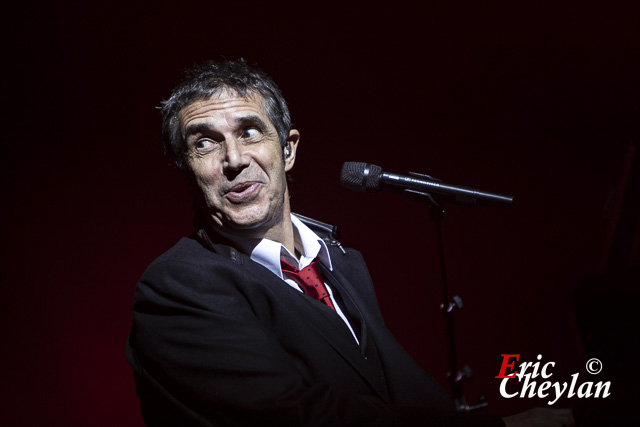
{"points": [[435, 202]]}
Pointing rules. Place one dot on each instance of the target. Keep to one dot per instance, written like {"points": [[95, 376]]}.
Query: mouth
{"points": [[243, 191]]}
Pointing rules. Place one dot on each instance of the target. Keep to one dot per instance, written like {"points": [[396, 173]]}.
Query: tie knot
{"points": [[309, 279], [310, 270]]}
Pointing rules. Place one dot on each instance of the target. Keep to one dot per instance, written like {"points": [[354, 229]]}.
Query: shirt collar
{"points": [[268, 252]]}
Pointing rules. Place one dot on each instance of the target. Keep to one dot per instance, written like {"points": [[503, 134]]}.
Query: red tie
{"points": [[309, 279]]}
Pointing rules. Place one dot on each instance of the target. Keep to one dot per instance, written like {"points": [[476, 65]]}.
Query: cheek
{"points": [[206, 181], [204, 174], [209, 189], [273, 162], [202, 182]]}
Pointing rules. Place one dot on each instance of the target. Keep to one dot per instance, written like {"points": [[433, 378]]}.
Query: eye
{"points": [[250, 132], [204, 145]]}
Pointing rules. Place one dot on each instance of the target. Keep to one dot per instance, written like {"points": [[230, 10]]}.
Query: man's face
{"points": [[237, 163]]}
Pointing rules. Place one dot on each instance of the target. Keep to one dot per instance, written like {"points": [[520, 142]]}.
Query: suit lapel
{"points": [[349, 306], [368, 350], [334, 331]]}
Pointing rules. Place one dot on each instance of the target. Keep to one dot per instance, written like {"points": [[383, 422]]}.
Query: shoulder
{"points": [[185, 268], [188, 250], [192, 252], [347, 258]]}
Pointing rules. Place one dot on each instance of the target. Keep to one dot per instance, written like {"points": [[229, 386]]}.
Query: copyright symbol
{"points": [[594, 366]]}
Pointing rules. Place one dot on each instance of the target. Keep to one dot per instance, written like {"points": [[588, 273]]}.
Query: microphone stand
{"points": [[455, 375]]}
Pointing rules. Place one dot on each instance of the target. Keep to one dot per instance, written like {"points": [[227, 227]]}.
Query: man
{"points": [[226, 332]]}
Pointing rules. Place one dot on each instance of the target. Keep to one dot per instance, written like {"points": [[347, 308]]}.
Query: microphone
{"points": [[360, 176]]}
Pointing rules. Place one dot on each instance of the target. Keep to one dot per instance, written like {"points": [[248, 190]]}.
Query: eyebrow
{"points": [[200, 128], [197, 128], [252, 119]]}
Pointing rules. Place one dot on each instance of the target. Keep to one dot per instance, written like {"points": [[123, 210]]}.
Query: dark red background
{"points": [[539, 101]]}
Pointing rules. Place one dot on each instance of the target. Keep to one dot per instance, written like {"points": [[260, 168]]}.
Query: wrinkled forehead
{"points": [[226, 93], [224, 101]]}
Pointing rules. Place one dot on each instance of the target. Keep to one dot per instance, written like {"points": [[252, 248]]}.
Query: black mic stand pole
{"points": [[455, 375]]}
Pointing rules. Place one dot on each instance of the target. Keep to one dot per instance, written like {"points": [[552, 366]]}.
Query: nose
{"points": [[235, 158]]}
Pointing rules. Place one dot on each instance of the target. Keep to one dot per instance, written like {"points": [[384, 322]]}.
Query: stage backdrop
{"points": [[537, 101]]}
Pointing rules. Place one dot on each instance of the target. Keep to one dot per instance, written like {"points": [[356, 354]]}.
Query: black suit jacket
{"points": [[219, 340]]}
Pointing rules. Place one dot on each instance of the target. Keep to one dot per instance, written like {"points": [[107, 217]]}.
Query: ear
{"points": [[292, 145]]}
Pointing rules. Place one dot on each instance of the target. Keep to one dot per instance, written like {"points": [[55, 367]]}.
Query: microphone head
{"points": [[360, 176]]}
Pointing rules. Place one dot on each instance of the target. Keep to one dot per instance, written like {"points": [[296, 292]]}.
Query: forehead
{"points": [[225, 105]]}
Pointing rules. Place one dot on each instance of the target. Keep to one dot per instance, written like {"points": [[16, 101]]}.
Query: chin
{"points": [[247, 222], [251, 219]]}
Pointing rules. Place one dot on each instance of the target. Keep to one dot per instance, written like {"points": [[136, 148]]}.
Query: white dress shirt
{"points": [[307, 243]]}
